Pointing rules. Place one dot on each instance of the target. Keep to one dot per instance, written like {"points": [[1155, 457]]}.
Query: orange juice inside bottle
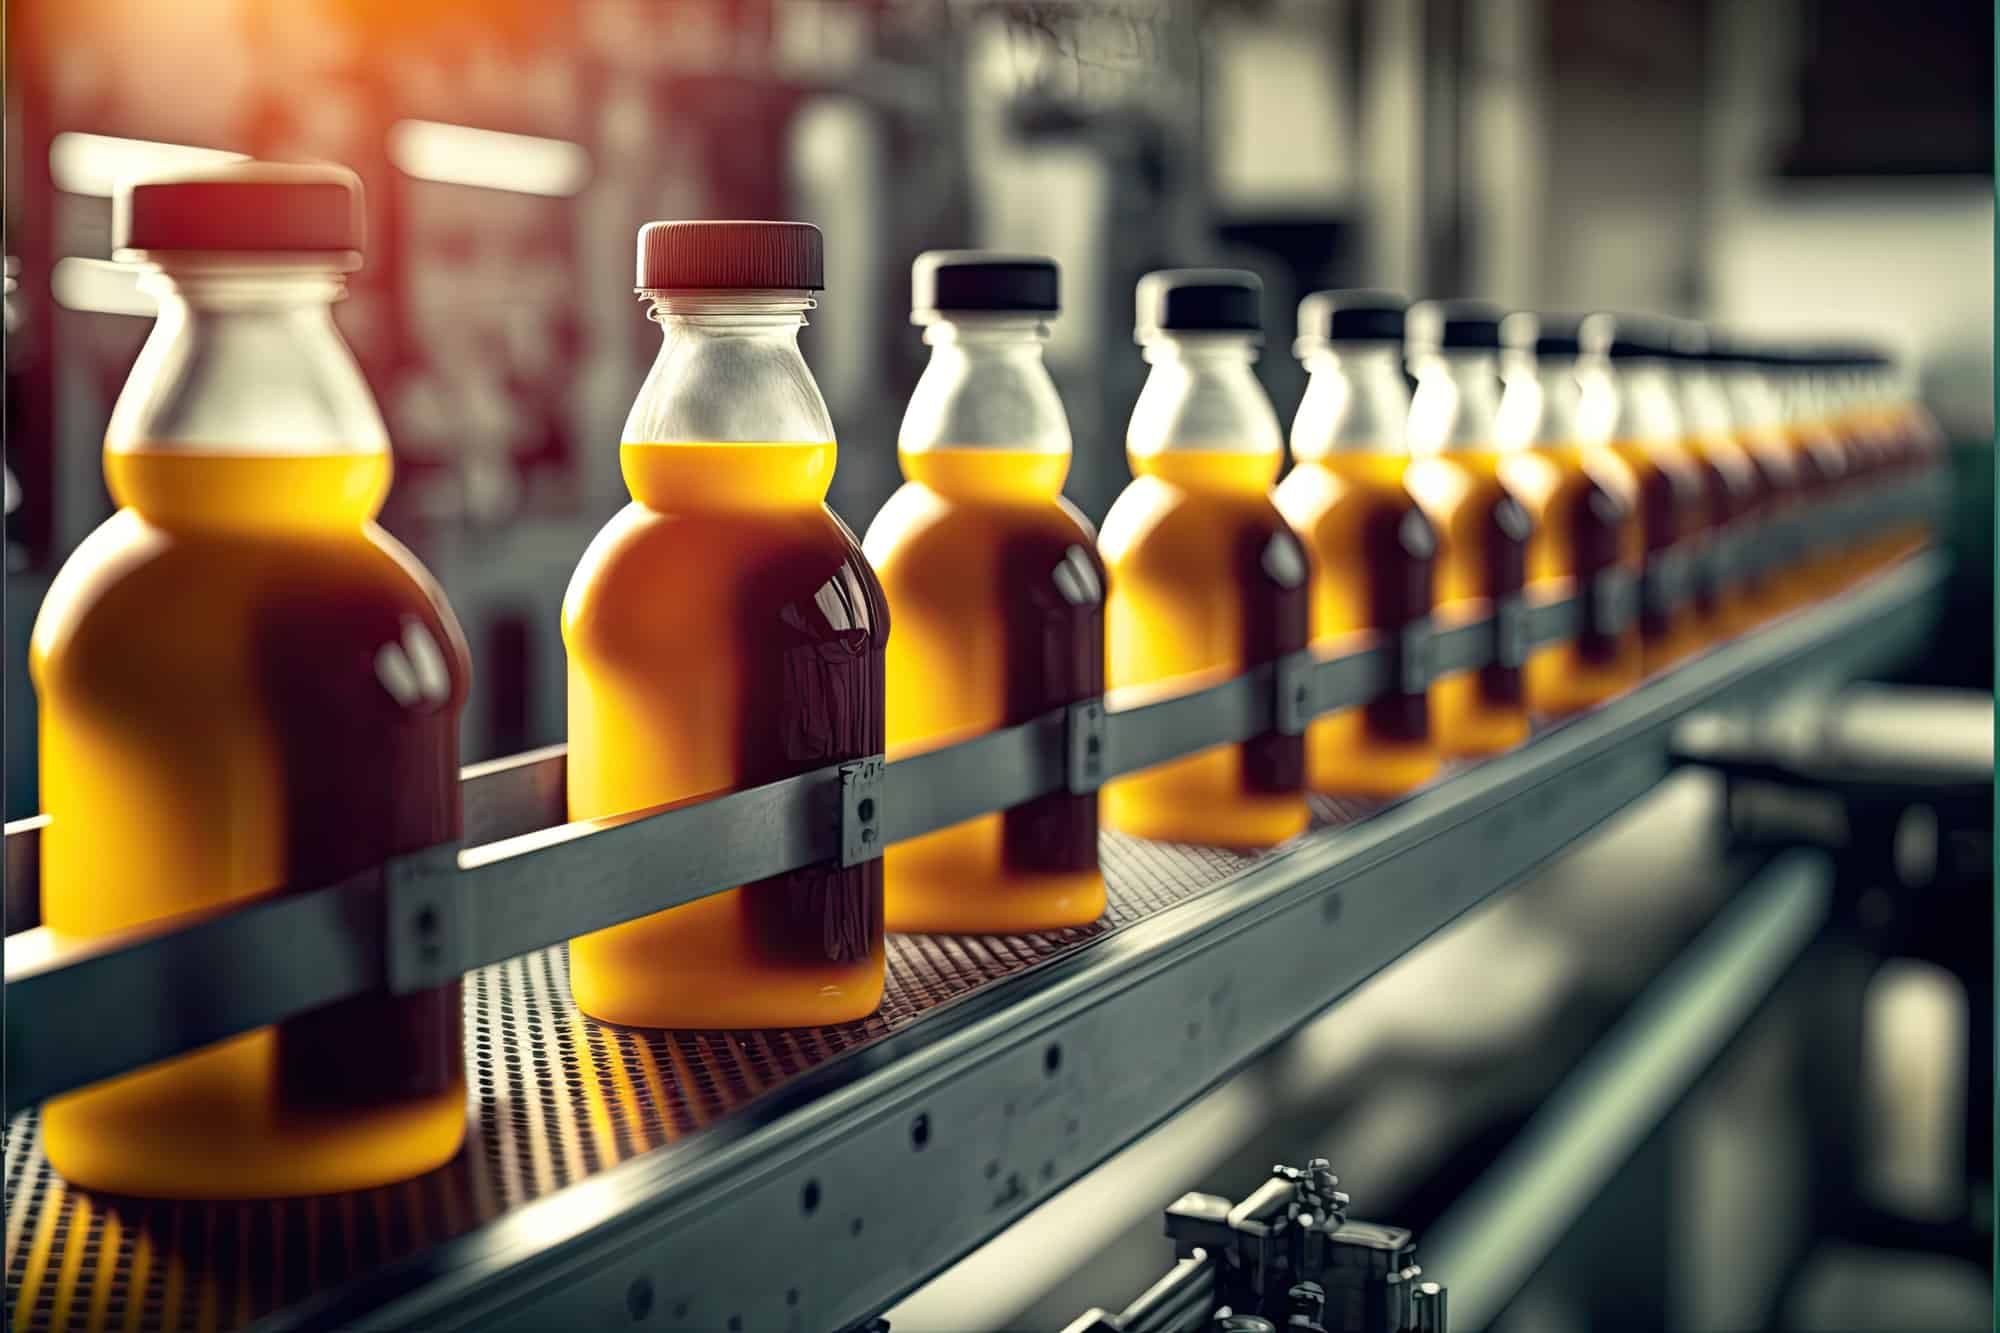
{"points": [[245, 683], [1481, 564], [1372, 554], [1583, 503], [998, 596], [1206, 580], [724, 631], [1672, 513], [1736, 500]]}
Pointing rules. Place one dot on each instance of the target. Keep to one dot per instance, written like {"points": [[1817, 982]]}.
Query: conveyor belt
{"points": [[552, 1097], [805, 1179]]}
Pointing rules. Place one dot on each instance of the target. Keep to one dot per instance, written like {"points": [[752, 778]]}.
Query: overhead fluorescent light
{"points": [[488, 159], [100, 287], [94, 163]]}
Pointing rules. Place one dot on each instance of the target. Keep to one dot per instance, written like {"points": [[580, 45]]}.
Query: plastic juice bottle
{"points": [[1725, 594], [1482, 530], [246, 684], [1628, 404], [997, 591], [1373, 549], [724, 630], [1588, 539], [1846, 420], [1823, 464], [1206, 577], [1760, 433], [1914, 442]]}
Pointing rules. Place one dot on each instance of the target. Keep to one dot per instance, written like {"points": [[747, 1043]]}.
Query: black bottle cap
{"points": [[1358, 315], [1452, 326], [1630, 337], [945, 282], [1199, 300], [1552, 336]]}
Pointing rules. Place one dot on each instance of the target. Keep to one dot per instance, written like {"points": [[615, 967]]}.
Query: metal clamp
{"points": [[1419, 645], [1292, 675], [1085, 742], [1510, 631], [861, 811], [427, 930], [1614, 596]]}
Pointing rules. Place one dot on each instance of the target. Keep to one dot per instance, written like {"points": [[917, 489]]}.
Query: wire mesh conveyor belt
{"points": [[552, 1097], [605, 1164]]}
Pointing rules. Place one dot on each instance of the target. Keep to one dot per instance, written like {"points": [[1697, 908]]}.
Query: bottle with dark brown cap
{"points": [[724, 631], [246, 685]]}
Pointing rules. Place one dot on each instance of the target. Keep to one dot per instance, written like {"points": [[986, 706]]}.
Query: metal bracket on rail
{"points": [[1293, 681], [1287, 1257], [1085, 742], [429, 931], [860, 810]]}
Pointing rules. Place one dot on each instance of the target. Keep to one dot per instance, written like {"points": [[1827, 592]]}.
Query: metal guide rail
{"points": [[79, 1010], [612, 1175]]}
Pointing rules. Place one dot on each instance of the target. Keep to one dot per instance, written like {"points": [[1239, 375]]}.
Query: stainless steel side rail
{"points": [[79, 1010]]}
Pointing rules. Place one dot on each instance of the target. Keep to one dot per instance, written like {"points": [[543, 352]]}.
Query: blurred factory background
{"points": [[1779, 167]]}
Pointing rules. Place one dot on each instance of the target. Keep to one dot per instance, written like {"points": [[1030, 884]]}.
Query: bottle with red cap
{"points": [[246, 685], [724, 630], [997, 591]]}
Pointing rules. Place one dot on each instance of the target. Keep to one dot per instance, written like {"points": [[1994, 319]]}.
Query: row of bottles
{"points": [[245, 682]]}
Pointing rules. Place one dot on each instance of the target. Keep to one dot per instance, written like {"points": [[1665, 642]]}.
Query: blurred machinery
{"points": [[1287, 1252]]}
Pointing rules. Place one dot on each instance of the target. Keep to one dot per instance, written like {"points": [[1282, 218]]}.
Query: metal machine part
{"points": [[1288, 1252]]}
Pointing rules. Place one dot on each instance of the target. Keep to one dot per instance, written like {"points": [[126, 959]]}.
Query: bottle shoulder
{"points": [[123, 605], [675, 575]]}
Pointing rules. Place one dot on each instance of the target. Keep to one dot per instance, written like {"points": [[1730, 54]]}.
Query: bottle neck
{"points": [[1630, 401], [985, 421], [245, 407], [729, 417], [1457, 403], [1356, 401], [1203, 421]]}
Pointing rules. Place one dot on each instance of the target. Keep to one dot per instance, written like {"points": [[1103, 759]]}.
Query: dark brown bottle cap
{"points": [[272, 207], [709, 256]]}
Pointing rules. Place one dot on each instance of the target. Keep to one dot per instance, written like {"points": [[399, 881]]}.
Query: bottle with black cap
{"points": [[1207, 578], [1372, 547], [1823, 468], [1584, 503], [997, 592], [1725, 585], [1628, 404], [246, 685], [1454, 441], [724, 630], [1760, 431]]}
